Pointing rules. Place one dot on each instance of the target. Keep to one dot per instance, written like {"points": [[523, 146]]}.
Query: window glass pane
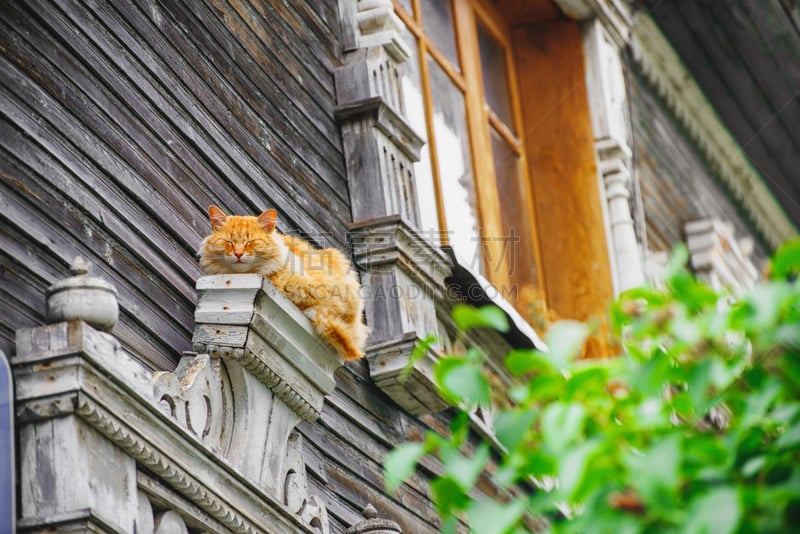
{"points": [[414, 109], [413, 103], [455, 167], [437, 20], [518, 258], [495, 76]]}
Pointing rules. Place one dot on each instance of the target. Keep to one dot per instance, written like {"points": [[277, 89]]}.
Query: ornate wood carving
{"points": [[718, 257], [212, 432], [661, 67], [605, 86]]}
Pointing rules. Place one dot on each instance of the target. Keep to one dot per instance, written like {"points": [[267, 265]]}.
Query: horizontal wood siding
{"points": [[677, 186], [120, 122], [745, 55]]}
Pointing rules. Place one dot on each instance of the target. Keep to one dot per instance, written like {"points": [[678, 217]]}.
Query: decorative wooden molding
{"points": [[404, 277], [212, 432], [718, 258], [605, 84], [373, 23], [372, 524], [192, 395], [408, 283], [243, 317], [615, 15], [662, 67], [412, 389], [176, 476]]}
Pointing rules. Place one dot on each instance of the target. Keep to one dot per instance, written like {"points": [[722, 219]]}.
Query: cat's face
{"points": [[240, 244]]}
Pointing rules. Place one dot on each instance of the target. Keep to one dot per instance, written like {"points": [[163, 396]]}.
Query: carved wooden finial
{"points": [[373, 525], [82, 298], [369, 512], [79, 267]]}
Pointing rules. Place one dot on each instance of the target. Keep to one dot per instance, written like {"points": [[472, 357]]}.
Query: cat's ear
{"points": [[268, 219], [217, 217]]}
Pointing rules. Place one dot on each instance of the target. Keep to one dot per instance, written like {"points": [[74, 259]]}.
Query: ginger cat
{"points": [[318, 281]]}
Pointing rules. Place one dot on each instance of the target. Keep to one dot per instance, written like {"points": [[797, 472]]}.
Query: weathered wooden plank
{"points": [[664, 161], [219, 110], [121, 85], [128, 134], [78, 231], [55, 242], [236, 66], [278, 35], [47, 254], [721, 67], [94, 147], [93, 173], [354, 480], [322, 21], [731, 29], [166, 116]]}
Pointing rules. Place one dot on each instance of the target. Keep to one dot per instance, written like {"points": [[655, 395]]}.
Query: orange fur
{"points": [[318, 281]]}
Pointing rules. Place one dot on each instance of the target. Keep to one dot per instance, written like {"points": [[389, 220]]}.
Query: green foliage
{"points": [[695, 428]]}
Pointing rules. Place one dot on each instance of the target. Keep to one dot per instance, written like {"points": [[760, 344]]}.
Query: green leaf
{"points": [[449, 525], [448, 496], [521, 361], [677, 261], [401, 463], [466, 317], [572, 468], [587, 382], [490, 517], [510, 427], [562, 423], [545, 387], [465, 471], [462, 382], [786, 261], [764, 306], [699, 381], [459, 428], [538, 464], [790, 438], [650, 414], [653, 375], [421, 349], [564, 342], [694, 295], [753, 466], [656, 469], [716, 512], [759, 401]]}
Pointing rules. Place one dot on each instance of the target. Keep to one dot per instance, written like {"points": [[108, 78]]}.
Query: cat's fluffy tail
{"points": [[349, 339]]}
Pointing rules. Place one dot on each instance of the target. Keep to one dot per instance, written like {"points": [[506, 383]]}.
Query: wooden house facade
{"points": [[536, 155]]}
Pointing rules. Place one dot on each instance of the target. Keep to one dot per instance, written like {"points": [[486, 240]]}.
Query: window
{"points": [[460, 93]]}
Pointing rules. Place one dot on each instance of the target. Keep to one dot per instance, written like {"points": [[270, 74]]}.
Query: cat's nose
{"points": [[238, 254]]}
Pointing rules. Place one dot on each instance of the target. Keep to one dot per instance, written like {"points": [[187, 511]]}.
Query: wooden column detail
{"points": [[563, 172]]}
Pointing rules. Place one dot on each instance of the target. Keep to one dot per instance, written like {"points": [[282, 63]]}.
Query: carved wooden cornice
{"points": [[615, 15], [661, 66], [218, 432]]}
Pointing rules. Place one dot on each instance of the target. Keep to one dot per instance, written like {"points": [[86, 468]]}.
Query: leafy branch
{"points": [[695, 427]]}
